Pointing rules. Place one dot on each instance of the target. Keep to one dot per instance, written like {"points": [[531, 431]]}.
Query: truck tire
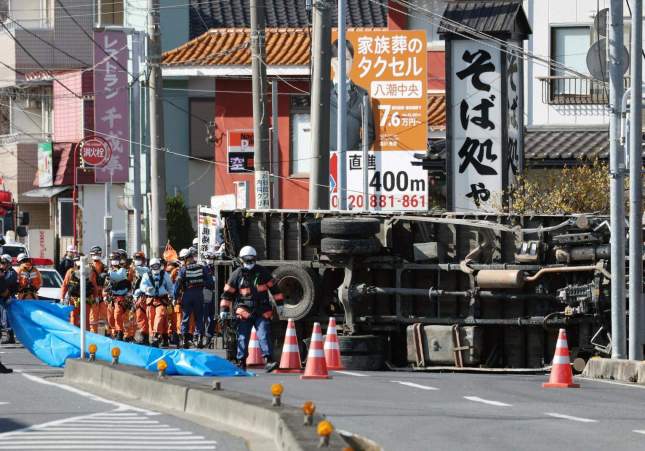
{"points": [[356, 246], [300, 289], [350, 227], [363, 352]]}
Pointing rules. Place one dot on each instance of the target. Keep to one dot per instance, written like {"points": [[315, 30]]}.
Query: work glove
{"points": [[280, 310], [224, 315]]}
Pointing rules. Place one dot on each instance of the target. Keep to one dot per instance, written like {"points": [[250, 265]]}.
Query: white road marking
{"points": [[604, 381], [351, 373], [487, 401], [4, 403], [569, 417], [412, 384], [104, 430], [91, 396], [639, 431]]}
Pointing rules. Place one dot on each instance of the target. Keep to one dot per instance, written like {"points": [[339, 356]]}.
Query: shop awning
{"points": [[46, 192]]}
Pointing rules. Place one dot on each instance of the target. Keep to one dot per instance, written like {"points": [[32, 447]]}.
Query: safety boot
{"points": [[129, 339], [174, 339], [164, 341], [4, 369], [155, 341], [241, 363], [9, 339], [270, 364], [119, 335], [144, 340], [198, 341], [187, 340]]}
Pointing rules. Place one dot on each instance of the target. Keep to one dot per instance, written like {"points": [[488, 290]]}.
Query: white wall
{"points": [[93, 202], [542, 15]]}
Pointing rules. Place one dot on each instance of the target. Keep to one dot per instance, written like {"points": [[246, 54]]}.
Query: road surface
{"points": [[37, 412], [423, 411]]}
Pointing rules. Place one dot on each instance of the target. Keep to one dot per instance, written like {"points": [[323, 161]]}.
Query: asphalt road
{"points": [[422, 411], [37, 412]]}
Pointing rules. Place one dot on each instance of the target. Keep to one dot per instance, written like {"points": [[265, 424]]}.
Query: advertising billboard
{"points": [[45, 165], [389, 67]]}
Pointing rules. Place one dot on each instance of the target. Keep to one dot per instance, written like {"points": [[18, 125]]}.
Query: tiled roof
{"points": [[437, 111], [566, 143], [497, 17], [231, 46], [205, 15]]}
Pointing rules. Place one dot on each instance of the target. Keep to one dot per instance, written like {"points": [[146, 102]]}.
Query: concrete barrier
{"points": [[283, 425], [615, 369]]}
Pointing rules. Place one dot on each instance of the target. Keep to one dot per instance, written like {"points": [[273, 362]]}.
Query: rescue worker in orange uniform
{"points": [[72, 288], [29, 278], [157, 289], [247, 294], [137, 270], [117, 289], [174, 310], [96, 254]]}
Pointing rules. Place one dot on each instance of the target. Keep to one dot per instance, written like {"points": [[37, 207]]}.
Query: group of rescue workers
{"points": [[168, 302]]}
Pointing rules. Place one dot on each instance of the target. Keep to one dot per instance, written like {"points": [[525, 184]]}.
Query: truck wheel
{"points": [[356, 246], [350, 227], [299, 288], [363, 352]]}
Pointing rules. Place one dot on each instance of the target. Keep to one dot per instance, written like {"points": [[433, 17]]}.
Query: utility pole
{"points": [[260, 110], [275, 147], [616, 184], [158, 232], [341, 110], [635, 188], [320, 92], [136, 136]]}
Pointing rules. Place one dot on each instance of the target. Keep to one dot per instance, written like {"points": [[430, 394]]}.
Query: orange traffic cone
{"points": [[561, 374], [254, 360], [316, 368], [332, 349], [290, 361]]}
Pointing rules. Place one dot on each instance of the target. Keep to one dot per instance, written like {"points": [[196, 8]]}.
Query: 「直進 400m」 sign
{"points": [[389, 68]]}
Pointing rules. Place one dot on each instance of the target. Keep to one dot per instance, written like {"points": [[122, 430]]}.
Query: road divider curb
{"points": [[283, 425], [616, 370]]}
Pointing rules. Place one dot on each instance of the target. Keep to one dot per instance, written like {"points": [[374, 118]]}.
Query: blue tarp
{"points": [[43, 328]]}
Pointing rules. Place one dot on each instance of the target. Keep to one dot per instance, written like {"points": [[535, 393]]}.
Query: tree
{"points": [[577, 189], [180, 227]]}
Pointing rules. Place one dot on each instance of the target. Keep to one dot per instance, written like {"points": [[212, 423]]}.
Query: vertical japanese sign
{"points": [[390, 68], [240, 151], [111, 110], [208, 222], [45, 165], [476, 129], [514, 110]]}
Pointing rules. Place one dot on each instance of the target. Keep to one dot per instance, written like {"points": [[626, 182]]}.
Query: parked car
{"points": [[52, 281]]}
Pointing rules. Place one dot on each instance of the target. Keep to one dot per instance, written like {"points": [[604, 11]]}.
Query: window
{"points": [[202, 112], [65, 217], [569, 47], [111, 12], [300, 144]]}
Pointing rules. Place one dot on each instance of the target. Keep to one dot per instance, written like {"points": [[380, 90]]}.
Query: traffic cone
{"points": [[290, 361], [332, 349], [316, 367], [254, 360], [561, 374]]}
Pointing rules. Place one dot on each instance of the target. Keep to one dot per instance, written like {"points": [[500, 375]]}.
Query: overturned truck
{"points": [[427, 291]]}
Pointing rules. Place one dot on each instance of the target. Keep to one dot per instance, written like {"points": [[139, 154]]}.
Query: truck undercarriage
{"points": [[422, 291]]}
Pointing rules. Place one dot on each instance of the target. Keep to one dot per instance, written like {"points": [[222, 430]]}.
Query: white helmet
{"points": [[154, 261], [248, 251], [195, 241], [22, 257], [184, 253]]}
